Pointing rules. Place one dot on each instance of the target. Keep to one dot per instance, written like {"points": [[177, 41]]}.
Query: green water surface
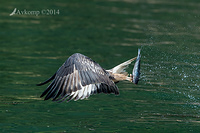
{"points": [[32, 48]]}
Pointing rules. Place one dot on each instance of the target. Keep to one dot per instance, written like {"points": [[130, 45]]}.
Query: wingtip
{"points": [[39, 84], [42, 95], [139, 50], [51, 78]]}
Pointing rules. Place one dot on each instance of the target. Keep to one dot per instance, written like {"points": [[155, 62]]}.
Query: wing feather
{"points": [[50, 88], [53, 90], [121, 67], [59, 89]]}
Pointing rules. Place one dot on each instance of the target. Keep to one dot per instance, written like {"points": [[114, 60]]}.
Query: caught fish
{"points": [[136, 69]]}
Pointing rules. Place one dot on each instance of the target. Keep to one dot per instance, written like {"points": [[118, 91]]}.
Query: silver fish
{"points": [[136, 69]]}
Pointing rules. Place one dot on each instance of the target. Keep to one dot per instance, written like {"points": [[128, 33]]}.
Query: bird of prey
{"points": [[79, 77]]}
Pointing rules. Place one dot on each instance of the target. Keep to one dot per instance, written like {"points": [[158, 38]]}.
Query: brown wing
{"points": [[78, 78]]}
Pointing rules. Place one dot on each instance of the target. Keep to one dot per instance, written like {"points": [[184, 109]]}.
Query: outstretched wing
{"points": [[78, 78], [121, 67]]}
